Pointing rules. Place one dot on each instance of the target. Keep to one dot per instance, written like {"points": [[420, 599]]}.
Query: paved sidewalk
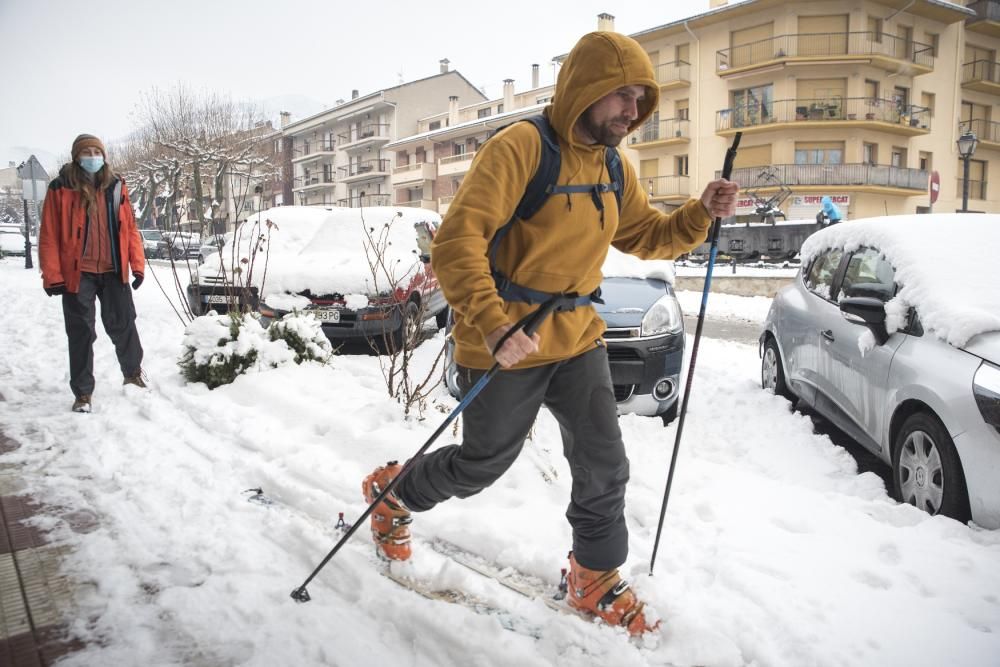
{"points": [[35, 599]]}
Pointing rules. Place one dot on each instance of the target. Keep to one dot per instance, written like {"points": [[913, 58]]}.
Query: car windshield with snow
{"points": [[901, 351], [644, 335]]}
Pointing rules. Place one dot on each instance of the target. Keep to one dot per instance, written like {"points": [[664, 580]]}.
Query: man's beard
{"points": [[602, 132]]}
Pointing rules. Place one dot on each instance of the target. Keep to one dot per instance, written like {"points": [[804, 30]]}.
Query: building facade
{"points": [[338, 156], [862, 103], [428, 167]]}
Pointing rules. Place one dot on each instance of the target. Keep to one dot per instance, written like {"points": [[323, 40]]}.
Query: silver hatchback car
{"points": [[894, 339]]}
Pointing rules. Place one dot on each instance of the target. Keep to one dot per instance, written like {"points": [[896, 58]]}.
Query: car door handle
{"points": [[828, 334]]}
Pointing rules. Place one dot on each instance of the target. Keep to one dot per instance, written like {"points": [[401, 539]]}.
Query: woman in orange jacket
{"points": [[87, 244]]}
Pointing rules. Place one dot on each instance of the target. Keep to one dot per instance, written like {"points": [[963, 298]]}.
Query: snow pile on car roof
{"points": [[622, 265], [944, 262], [329, 250]]}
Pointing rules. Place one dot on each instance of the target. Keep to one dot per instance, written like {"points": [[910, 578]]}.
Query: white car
{"points": [[12, 240], [894, 340], [152, 242]]}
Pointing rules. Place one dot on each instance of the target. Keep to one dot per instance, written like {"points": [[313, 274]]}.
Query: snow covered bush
{"points": [[304, 335], [218, 348]]}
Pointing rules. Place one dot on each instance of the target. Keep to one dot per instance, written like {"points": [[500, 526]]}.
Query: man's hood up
{"points": [[600, 63]]}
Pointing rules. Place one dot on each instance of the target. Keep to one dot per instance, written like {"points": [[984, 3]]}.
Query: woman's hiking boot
{"points": [[390, 518], [82, 403], [606, 595]]}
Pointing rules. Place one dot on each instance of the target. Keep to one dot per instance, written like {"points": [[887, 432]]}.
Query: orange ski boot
{"points": [[390, 519], [606, 595]]}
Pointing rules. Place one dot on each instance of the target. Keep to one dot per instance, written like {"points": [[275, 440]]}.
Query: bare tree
{"points": [[389, 277], [188, 144]]}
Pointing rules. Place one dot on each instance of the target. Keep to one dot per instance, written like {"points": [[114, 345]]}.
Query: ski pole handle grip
{"points": [[727, 165]]}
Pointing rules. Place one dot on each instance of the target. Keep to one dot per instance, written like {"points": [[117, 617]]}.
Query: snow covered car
{"points": [[901, 351], [181, 245], [321, 261], [644, 336], [335, 280], [152, 242], [12, 240], [212, 244]]}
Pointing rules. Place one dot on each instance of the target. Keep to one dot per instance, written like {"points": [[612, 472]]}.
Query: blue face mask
{"points": [[92, 164]]}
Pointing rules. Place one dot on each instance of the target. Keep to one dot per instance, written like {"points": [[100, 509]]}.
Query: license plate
{"points": [[216, 298], [327, 315]]}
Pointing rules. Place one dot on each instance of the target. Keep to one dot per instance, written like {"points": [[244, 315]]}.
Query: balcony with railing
{"points": [[364, 201], [409, 174], [981, 75], [656, 134], [455, 164], [855, 176], [667, 188], [881, 50], [313, 149], [363, 137], [363, 170], [313, 181], [673, 75], [987, 18], [986, 131], [846, 112], [428, 204]]}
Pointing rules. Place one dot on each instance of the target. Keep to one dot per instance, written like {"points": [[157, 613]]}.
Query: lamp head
{"points": [[967, 144]]}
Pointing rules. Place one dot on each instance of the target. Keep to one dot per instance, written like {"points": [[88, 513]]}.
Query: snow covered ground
{"points": [[775, 551]]}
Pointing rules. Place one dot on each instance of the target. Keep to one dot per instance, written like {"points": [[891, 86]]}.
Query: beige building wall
{"points": [[800, 79], [339, 156]]}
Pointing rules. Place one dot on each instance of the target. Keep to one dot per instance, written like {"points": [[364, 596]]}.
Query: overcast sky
{"points": [[81, 66]]}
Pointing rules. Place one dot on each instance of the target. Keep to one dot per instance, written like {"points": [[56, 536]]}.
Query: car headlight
{"points": [[986, 388], [664, 317]]}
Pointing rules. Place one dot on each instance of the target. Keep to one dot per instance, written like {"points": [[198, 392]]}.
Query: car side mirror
{"points": [[867, 311]]}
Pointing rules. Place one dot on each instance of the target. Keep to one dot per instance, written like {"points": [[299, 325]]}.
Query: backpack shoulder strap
{"points": [[617, 172], [539, 187], [547, 174]]}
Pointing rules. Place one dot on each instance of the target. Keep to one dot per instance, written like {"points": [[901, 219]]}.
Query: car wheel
{"points": [[451, 370], [408, 332], [926, 470], [772, 373]]}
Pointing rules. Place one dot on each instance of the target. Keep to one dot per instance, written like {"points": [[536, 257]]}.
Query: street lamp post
{"points": [[966, 147]]}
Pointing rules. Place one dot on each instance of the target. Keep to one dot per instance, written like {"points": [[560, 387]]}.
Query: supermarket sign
{"points": [[798, 206]]}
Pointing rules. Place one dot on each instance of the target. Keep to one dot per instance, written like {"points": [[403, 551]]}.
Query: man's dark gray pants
{"points": [[118, 317], [578, 392]]}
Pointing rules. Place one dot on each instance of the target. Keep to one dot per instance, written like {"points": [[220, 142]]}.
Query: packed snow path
{"points": [[775, 551]]}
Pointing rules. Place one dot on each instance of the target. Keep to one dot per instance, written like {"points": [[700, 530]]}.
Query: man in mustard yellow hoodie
{"points": [[605, 90]]}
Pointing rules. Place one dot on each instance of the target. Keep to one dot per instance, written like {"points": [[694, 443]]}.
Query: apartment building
{"points": [[428, 166], [862, 103], [338, 156]]}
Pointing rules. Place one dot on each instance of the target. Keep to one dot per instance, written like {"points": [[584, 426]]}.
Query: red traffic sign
{"points": [[935, 186]]}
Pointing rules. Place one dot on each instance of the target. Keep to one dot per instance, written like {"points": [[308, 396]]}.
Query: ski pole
{"points": [[727, 170], [529, 323]]}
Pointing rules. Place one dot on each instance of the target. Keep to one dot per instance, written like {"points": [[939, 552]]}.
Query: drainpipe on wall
{"points": [[695, 122]]}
